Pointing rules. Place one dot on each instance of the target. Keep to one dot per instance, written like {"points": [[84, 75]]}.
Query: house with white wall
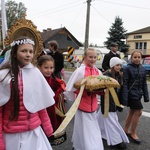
{"points": [[139, 40]]}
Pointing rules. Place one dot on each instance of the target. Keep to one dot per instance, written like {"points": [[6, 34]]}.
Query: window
{"points": [[137, 36], [141, 45]]}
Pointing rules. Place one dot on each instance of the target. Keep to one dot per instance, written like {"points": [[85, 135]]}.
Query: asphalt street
{"points": [[143, 128]]}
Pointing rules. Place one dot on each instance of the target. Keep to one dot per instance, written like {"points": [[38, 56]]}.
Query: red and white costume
{"points": [[35, 95], [86, 134]]}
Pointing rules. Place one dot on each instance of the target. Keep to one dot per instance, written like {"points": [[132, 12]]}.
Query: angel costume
{"points": [[86, 133], [35, 95]]}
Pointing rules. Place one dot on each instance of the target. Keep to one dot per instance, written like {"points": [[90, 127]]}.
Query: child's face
{"points": [[90, 58], [47, 68], [117, 67], [136, 58], [25, 54]]}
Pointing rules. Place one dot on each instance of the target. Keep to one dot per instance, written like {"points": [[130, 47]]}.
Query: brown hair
{"points": [[53, 44], [43, 59], [136, 51], [112, 74], [13, 71]]}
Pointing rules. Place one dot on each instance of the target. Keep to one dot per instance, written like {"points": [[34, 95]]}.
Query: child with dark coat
{"points": [[134, 87], [110, 127]]}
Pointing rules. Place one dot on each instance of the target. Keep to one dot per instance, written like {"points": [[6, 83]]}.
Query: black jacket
{"points": [[106, 60], [59, 62], [139, 89], [112, 106]]}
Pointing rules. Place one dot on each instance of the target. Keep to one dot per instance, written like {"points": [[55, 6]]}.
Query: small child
{"points": [[22, 104], [111, 130], [134, 87], [86, 133], [56, 112]]}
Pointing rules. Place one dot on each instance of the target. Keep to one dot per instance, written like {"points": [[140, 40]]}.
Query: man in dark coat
{"points": [[108, 56], [58, 58]]}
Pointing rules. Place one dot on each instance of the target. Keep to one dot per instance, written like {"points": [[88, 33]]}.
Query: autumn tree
{"points": [[117, 33], [14, 11]]}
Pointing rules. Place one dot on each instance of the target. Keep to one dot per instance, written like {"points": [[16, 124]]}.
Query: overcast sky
{"points": [[71, 14]]}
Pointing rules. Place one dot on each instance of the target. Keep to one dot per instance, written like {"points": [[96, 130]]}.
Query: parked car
{"points": [[146, 65]]}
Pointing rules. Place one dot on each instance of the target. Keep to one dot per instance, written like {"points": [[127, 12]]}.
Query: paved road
{"points": [[143, 129]]}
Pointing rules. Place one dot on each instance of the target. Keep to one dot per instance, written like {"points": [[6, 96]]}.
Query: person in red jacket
{"points": [[86, 133], [57, 111], [23, 104]]}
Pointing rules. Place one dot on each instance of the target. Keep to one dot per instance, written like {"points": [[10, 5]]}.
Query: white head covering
{"points": [[115, 61]]}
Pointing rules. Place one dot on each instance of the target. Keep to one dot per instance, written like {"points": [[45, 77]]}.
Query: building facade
{"points": [[139, 40]]}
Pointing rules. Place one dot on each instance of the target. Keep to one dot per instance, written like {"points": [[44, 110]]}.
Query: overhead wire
{"points": [[124, 5], [100, 14], [59, 9], [75, 18]]}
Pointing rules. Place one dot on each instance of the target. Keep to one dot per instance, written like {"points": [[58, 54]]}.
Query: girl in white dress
{"points": [[22, 104], [86, 133], [111, 129]]}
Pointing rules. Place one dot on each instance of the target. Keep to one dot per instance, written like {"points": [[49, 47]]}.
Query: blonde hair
{"points": [[89, 50]]}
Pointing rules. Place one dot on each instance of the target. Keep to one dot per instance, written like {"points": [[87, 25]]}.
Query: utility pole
{"points": [[86, 43]]}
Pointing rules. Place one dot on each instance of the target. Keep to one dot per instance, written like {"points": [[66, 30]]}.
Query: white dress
{"points": [[86, 133], [111, 129], [30, 140], [34, 84]]}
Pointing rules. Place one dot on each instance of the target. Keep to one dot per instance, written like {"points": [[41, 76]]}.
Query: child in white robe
{"points": [[22, 104], [111, 129], [86, 133]]}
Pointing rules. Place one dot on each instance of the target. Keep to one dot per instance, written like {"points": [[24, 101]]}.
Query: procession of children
{"points": [[32, 105]]}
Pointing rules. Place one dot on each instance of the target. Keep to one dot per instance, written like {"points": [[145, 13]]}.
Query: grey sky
{"points": [[72, 15]]}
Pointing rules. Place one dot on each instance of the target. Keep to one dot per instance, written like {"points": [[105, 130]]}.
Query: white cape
{"points": [[77, 75], [37, 93]]}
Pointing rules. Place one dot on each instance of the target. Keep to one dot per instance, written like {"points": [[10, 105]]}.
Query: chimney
{"points": [[49, 29], [44, 30]]}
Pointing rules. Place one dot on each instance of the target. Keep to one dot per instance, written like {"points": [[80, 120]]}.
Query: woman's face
{"points": [[25, 54], [47, 68], [90, 58], [136, 58], [117, 67]]}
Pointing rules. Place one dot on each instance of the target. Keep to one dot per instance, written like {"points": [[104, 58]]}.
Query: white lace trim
{"points": [[24, 41]]}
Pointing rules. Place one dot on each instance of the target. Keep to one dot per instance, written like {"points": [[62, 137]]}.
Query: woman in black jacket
{"points": [[134, 87]]}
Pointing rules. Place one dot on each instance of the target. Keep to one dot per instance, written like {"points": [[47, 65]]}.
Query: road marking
{"points": [[146, 114]]}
